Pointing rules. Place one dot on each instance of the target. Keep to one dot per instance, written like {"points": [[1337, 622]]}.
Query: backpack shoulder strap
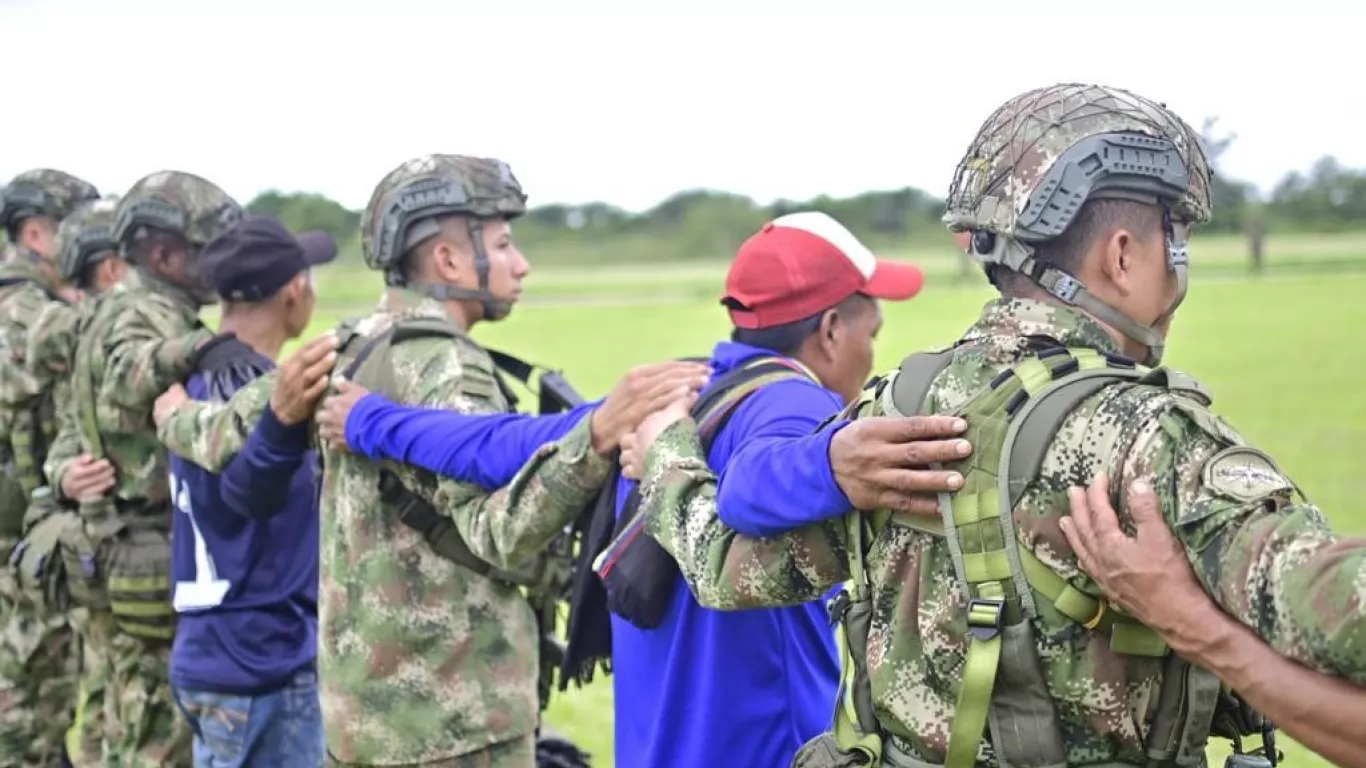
{"points": [[913, 380], [410, 508], [1011, 425]]}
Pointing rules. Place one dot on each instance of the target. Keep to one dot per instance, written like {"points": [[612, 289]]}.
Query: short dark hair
{"points": [[787, 339], [413, 261], [1068, 250]]}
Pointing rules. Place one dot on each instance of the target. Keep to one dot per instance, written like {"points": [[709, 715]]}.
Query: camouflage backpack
{"points": [[1011, 424]]}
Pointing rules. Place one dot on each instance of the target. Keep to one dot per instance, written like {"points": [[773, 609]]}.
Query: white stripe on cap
{"points": [[823, 226]]}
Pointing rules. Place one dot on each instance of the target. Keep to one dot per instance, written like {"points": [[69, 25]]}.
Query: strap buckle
{"points": [[986, 617]]}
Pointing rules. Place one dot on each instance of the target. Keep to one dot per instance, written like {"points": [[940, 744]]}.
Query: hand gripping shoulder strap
{"points": [[411, 509]]}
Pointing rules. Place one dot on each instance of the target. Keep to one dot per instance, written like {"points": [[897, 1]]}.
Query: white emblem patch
{"points": [[1245, 474]]}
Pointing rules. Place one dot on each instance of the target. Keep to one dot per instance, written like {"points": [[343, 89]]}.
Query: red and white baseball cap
{"points": [[804, 263]]}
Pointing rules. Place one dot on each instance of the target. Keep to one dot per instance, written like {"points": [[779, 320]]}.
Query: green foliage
{"points": [[705, 225]]}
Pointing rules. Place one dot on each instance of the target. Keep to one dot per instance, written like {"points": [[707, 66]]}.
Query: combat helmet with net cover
{"points": [[406, 207], [178, 203], [85, 238], [1044, 154], [45, 192]]}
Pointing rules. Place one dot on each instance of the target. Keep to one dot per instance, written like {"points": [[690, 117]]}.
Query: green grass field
{"points": [[1280, 353]]}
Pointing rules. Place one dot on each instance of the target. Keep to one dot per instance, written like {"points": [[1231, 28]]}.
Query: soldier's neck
{"points": [[258, 329]]}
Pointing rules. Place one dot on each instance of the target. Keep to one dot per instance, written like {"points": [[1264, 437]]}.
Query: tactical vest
{"points": [[637, 573], [546, 579], [120, 559], [1010, 425]]}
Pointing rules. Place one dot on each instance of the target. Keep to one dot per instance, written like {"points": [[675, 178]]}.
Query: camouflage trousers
{"points": [[517, 753], [142, 727], [38, 672]]}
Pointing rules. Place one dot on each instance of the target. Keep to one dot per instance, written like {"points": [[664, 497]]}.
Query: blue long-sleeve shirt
{"points": [[706, 687], [244, 553]]}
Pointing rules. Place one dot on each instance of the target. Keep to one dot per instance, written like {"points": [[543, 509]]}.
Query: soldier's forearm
{"points": [[724, 569], [206, 434], [509, 526], [139, 371], [1323, 713]]}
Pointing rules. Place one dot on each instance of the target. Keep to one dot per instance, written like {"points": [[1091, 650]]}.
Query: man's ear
{"points": [[831, 326], [447, 262], [1118, 254]]}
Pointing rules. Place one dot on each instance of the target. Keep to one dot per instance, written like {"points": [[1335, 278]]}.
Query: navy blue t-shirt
{"points": [[244, 551]]}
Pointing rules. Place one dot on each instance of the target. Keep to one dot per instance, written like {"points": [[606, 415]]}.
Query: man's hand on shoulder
{"points": [[635, 445], [167, 402], [882, 462], [1147, 574], [336, 409], [303, 379], [642, 391]]}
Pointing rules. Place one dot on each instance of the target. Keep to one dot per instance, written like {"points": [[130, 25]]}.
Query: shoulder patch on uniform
{"points": [[1244, 473]]}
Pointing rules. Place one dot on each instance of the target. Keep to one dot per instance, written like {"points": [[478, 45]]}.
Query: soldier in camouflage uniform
{"points": [[37, 660], [137, 339], [973, 638], [89, 260], [427, 656]]}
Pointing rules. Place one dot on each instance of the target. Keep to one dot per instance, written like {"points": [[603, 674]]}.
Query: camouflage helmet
{"points": [[401, 209], [85, 237], [1043, 154], [43, 191], [175, 201]]}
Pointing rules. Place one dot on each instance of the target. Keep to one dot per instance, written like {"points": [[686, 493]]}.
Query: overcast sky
{"points": [[769, 98]]}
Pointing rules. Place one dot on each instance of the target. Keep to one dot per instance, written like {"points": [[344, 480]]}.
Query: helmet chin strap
{"points": [[494, 308], [1019, 257]]}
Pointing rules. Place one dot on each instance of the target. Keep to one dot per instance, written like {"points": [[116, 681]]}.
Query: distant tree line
{"points": [[706, 224]]}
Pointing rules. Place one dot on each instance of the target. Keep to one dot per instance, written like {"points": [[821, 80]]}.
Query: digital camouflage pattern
{"points": [[420, 659], [1266, 556], [44, 191], [37, 662], [27, 421], [139, 342], [37, 685], [135, 340], [1018, 144], [52, 346], [489, 191]]}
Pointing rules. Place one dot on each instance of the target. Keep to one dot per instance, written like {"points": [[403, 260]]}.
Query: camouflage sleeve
{"points": [[52, 343], [1261, 550], [211, 434], [142, 360], [18, 384], [510, 525], [725, 569]]}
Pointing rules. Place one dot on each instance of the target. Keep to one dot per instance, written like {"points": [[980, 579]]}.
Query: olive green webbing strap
{"points": [[989, 560], [413, 510], [856, 727]]}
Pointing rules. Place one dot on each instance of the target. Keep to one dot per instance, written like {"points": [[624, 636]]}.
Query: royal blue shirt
{"points": [[706, 687], [244, 554]]}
